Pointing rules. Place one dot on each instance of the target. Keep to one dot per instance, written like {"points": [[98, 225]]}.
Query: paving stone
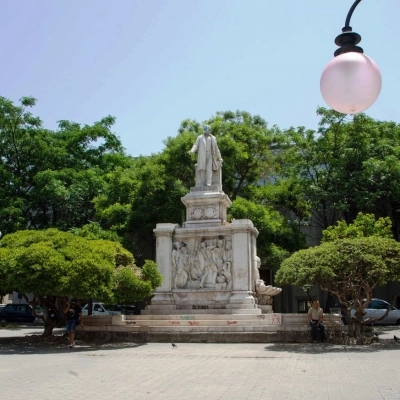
{"points": [[197, 370]]}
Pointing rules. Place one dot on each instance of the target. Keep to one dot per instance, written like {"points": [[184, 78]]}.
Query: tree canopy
{"points": [[49, 178], [52, 265], [346, 167]]}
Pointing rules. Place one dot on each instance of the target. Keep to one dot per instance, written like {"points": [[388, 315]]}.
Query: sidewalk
{"points": [[200, 371]]}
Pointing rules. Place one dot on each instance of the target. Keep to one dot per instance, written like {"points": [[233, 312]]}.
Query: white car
{"points": [[101, 309], [377, 307]]}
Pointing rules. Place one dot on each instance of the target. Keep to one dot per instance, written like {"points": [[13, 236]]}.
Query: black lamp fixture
{"points": [[351, 82]]}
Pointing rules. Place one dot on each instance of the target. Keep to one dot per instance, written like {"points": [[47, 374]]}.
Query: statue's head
{"points": [[207, 129]]}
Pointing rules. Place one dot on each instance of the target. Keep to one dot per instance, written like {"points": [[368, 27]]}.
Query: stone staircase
{"points": [[201, 326]]}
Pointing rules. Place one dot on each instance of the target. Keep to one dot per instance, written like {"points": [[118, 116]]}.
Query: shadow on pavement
{"points": [[58, 344], [325, 348]]}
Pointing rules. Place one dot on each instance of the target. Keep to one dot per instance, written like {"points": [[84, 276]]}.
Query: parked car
{"points": [[17, 313], [376, 308], [127, 309], [101, 309], [114, 309]]}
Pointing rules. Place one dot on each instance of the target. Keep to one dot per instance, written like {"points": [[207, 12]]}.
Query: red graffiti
{"points": [[276, 318], [191, 323], [231, 322]]}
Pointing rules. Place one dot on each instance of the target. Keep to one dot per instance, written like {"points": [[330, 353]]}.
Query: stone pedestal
{"points": [[205, 206], [208, 264]]}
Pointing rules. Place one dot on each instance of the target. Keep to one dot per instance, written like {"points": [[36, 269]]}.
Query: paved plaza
{"points": [[197, 371]]}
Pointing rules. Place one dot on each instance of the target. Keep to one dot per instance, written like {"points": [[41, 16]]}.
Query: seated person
{"points": [[315, 315]]}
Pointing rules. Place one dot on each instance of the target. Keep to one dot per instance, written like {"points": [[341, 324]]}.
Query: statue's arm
{"points": [[216, 150], [195, 147]]}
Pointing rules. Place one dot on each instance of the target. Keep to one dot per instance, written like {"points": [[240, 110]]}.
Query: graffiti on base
{"points": [[199, 307], [231, 322], [188, 306], [276, 319], [192, 323], [185, 317]]}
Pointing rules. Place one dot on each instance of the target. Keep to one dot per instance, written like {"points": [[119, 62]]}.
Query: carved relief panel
{"points": [[199, 212], [202, 263]]}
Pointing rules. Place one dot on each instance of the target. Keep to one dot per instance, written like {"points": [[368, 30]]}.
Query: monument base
{"points": [[193, 326]]}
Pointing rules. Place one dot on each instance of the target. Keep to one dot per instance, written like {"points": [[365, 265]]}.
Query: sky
{"points": [[154, 63]]}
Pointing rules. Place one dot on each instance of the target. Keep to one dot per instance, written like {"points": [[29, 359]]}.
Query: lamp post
{"points": [[351, 82]]}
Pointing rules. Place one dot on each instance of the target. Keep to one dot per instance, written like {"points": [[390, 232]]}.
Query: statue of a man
{"points": [[208, 157]]}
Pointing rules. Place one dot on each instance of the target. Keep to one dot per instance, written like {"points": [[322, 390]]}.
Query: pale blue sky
{"points": [[154, 63]]}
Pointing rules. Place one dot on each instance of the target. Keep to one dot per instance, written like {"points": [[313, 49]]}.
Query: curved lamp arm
{"points": [[350, 13], [348, 39]]}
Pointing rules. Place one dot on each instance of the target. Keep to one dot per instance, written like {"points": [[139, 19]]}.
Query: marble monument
{"points": [[209, 264]]}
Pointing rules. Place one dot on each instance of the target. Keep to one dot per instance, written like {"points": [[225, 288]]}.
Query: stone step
{"points": [[161, 311], [203, 328], [302, 319], [204, 322], [188, 329], [199, 317]]}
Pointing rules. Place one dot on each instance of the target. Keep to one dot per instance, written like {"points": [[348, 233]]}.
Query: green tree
{"points": [[95, 231], [53, 265], [348, 265], [363, 226], [278, 236], [49, 179], [346, 167], [134, 200], [133, 284], [248, 148]]}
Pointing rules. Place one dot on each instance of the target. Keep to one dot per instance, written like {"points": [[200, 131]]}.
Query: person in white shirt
{"points": [[315, 316]]}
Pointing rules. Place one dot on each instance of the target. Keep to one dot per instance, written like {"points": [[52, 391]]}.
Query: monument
{"points": [[212, 289], [209, 264]]}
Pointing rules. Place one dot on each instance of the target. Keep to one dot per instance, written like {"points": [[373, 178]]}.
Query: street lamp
{"points": [[351, 82]]}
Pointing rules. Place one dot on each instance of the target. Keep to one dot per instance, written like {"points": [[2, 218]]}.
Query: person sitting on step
{"points": [[315, 316]]}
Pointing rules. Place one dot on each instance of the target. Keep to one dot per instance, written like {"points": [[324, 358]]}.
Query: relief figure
{"points": [[182, 269], [210, 269]]}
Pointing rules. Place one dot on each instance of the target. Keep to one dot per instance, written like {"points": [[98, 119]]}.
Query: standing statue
{"points": [[208, 158]]}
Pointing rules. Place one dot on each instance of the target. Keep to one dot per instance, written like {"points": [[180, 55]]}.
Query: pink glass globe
{"points": [[350, 83]]}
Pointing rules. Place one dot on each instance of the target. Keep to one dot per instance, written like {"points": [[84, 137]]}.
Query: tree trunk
{"points": [[48, 328], [354, 328]]}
